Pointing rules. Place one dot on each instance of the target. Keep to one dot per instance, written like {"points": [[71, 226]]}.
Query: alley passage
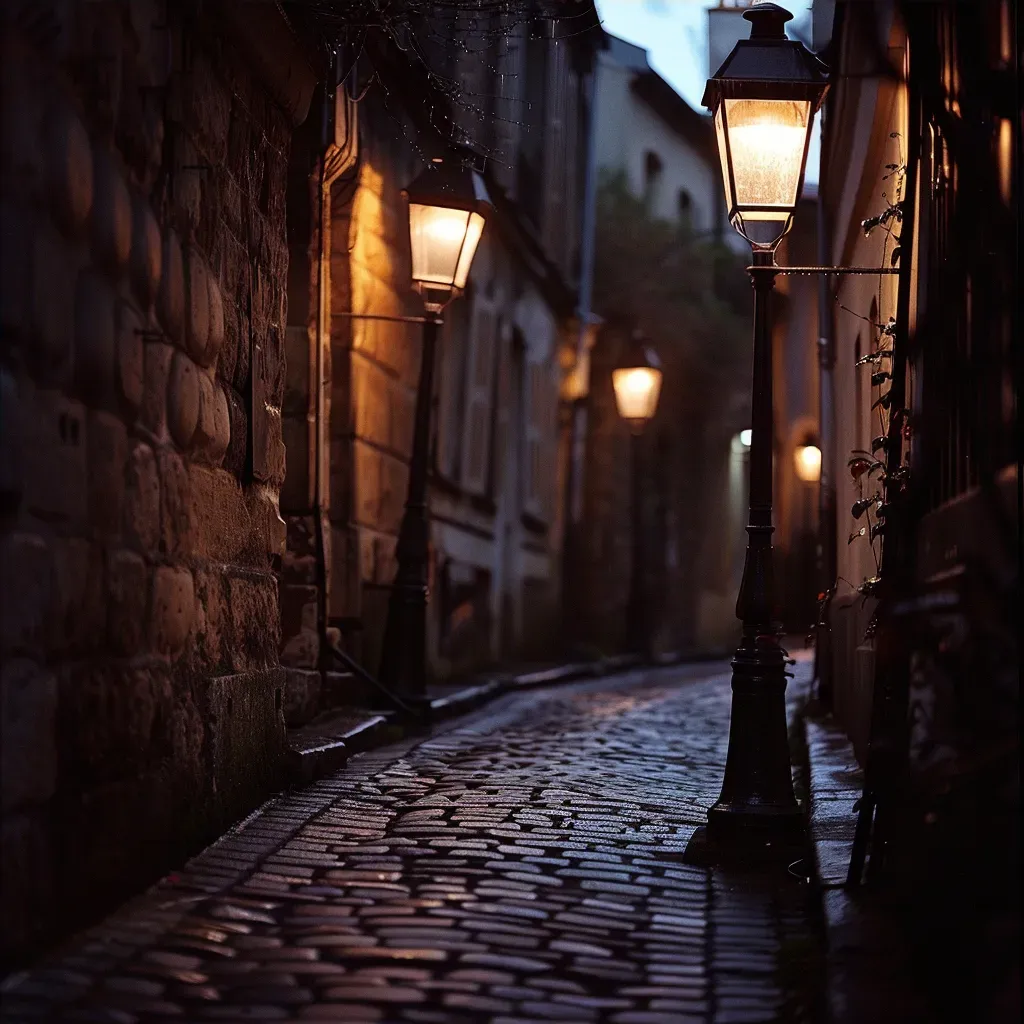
{"points": [[526, 865]]}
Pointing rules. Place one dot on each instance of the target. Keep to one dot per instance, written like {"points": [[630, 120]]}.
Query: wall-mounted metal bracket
{"points": [[805, 271], [391, 319]]}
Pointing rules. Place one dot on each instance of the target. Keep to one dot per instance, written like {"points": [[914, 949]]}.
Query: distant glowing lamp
{"points": [[746, 436], [763, 100], [448, 204], [807, 460], [637, 382]]}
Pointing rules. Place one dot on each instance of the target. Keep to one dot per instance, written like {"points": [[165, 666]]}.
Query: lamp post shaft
{"points": [[636, 610], [403, 658], [757, 792]]}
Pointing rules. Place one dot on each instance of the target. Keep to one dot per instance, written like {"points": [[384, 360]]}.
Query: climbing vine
{"points": [[881, 470]]}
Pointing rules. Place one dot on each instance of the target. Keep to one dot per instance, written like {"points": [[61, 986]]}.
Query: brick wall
{"points": [[142, 370]]}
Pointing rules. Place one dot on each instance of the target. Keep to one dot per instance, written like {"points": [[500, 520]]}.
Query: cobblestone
{"points": [[524, 866]]}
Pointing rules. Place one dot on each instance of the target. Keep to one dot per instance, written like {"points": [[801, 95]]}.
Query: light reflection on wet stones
{"points": [[524, 866]]}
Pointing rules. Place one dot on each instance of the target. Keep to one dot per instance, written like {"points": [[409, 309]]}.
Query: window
{"points": [[652, 178], [685, 210], [476, 439]]}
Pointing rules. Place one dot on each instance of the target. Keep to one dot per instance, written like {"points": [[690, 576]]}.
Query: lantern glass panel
{"points": [[807, 459], [637, 389], [723, 154], [437, 238], [767, 139], [473, 233]]}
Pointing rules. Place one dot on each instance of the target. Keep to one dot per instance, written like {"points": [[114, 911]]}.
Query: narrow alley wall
{"points": [[142, 367]]}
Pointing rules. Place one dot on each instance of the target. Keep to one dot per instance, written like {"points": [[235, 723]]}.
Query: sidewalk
{"points": [[524, 864]]}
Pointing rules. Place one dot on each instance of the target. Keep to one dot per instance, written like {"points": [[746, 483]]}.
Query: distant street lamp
{"points": [[636, 380], [763, 100], [448, 206], [807, 462]]}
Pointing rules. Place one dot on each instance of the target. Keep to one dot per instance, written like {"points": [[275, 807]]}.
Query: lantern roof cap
{"points": [[768, 58], [637, 353], [451, 184]]}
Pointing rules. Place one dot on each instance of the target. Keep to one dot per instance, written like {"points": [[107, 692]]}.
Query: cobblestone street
{"points": [[526, 864]]}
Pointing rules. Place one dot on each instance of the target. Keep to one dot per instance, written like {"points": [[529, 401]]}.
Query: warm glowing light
{"points": [[766, 140], [807, 459], [637, 389], [443, 242], [746, 436]]}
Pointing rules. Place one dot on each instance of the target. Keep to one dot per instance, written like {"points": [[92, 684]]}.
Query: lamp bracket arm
{"points": [[391, 319], [823, 270]]}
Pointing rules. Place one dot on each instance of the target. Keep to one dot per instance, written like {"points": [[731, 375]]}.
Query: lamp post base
{"points": [[757, 798]]}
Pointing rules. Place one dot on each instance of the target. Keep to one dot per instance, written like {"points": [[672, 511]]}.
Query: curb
{"points": [[867, 968], [317, 750]]}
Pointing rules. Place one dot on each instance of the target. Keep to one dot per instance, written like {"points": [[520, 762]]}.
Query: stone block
{"points": [[243, 351], [130, 369], [26, 568], [111, 213], [28, 747], [127, 602], [219, 517], [211, 618], [183, 401], [175, 505], [142, 499], [229, 347], [268, 528], [236, 456], [247, 738], [95, 343], [112, 721], [202, 440], [17, 228], [207, 106], [170, 302], [157, 358], [172, 609], [107, 451], [255, 623], [68, 167], [55, 484], [301, 696], [215, 339], [268, 452], [11, 443], [197, 307], [78, 612], [146, 253], [52, 315], [187, 184]]}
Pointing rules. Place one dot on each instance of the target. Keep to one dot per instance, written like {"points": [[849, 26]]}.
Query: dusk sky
{"points": [[674, 33]]}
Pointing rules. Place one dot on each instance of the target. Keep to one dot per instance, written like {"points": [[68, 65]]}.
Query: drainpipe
{"points": [[584, 312], [827, 426]]}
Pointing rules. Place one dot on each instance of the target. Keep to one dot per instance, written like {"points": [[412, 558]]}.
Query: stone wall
{"points": [[141, 370]]}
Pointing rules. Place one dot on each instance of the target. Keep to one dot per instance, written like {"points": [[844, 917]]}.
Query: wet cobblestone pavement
{"points": [[525, 865]]}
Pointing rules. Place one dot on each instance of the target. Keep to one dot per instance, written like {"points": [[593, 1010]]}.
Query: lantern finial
{"points": [[767, 21]]}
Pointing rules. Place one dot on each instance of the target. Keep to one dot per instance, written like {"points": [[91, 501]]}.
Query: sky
{"points": [[674, 33]]}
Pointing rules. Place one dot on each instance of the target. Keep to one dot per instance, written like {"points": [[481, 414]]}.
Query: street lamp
{"points": [[763, 100], [636, 380], [807, 462], [448, 206]]}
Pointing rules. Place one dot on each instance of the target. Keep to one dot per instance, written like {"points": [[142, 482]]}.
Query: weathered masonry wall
{"points": [[141, 375]]}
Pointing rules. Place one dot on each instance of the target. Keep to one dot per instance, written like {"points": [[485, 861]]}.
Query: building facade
{"points": [[142, 366], [921, 659]]}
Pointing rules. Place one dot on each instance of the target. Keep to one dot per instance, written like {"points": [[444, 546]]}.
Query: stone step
{"points": [[325, 744]]}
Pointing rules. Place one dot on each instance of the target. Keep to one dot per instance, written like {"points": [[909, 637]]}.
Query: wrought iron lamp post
{"points": [[636, 380], [448, 206], [763, 100]]}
